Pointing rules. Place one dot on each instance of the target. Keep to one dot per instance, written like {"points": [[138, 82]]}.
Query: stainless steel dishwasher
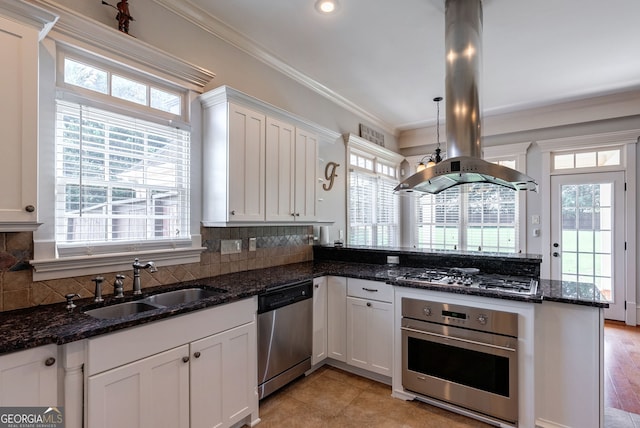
{"points": [[285, 328]]}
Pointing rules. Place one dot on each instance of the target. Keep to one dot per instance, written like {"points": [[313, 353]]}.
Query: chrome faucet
{"points": [[136, 273], [118, 287], [98, 292]]}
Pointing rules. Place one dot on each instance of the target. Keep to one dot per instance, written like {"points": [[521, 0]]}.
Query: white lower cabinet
{"points": [[152, 392], [337, 318], [319, 347], [370, 325], [222, 373], [197, 370], [29, 378]]}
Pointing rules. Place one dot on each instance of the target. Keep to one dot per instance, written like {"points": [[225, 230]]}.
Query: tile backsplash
{"points": [[275, 245]]}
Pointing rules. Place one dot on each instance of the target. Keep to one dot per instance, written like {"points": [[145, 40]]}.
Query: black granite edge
{"points": [[576, 293]]}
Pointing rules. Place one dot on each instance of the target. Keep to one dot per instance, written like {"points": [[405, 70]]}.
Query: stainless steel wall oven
{"points": [[461, 355]]}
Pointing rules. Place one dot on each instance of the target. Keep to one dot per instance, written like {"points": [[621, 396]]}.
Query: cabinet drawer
{"points": [[372, 290]]}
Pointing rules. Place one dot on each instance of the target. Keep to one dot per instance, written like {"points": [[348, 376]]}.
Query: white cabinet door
{"points": [[224, 377], [306, 159], [246, 139], [280, 167], [337, 318], [149, 393], [369, 334], [319, 347], [29, 378], [292, 155], [19, 124]]}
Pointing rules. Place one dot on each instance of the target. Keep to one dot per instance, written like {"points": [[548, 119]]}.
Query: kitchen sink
{"points": [[178, 297], [160, 300], [120, 310]]}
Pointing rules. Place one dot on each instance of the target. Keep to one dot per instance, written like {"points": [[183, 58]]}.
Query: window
{"points": [[470, 217], [373, 207], [115, 163], [97, 79], [609, 157], [118, 179]]}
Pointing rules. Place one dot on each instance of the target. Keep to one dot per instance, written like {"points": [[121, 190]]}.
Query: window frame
{"points": [[509, 152], [176, 77], [381, 159]]}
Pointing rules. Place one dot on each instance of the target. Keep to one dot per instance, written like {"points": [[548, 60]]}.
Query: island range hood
{"points": [[464, 163]]}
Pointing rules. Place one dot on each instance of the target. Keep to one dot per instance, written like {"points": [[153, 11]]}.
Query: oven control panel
{"points": [[462, 316]]}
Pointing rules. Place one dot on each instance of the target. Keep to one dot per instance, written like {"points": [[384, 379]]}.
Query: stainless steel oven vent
{"points": [[463, 50]]}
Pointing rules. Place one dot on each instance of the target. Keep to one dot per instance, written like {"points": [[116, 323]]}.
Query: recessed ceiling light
{"points": [[327, 6]]}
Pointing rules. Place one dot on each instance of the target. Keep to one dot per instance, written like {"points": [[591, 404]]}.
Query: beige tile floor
{"points": [[334, 398]]}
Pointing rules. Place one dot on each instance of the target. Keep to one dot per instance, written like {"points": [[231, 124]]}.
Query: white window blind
{"points": [[119, 180], [373, 210], [474, 217]]}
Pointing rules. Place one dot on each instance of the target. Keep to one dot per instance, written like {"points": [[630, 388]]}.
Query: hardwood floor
{"points": [[622, 366]]}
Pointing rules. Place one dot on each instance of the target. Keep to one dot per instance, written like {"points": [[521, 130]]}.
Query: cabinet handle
{"points": [[196, 354], [29, 208], [369, 304], [317, 285], [373, 290], [185, 359], [49, 361]]}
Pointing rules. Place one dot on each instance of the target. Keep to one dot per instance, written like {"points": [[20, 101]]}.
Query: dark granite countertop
{"points": [[46, 324]]}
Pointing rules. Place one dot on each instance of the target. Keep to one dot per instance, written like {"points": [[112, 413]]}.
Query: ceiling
{"points": [[385, 59]]}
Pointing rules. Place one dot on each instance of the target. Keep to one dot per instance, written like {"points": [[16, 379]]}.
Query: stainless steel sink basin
{"points": [[120, 310], [160, 300], [178, 297]]}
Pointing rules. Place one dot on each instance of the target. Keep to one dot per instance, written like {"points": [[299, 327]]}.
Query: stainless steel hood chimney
{"points": [[464, 163]]}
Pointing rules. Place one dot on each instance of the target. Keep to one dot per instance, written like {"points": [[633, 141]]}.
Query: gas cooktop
{"points": [[473, 279]]}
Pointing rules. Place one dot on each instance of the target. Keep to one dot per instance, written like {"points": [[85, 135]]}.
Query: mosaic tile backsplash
{"points": [[275, 245]]}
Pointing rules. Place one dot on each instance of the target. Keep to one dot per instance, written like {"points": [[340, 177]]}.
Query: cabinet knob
{"points": [[49, 361], [233, 212], [29, 208], [317, 285], [297, 214], [556, 254], [369, 304], [196, 354], [185, 359]]}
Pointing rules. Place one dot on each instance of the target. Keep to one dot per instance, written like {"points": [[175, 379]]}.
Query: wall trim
{"points": [[227, 93]]}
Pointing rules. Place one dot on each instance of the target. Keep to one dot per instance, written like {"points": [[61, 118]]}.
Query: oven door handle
{"points": [[473, 342]]}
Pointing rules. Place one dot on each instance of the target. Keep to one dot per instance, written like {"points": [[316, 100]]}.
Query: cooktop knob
{"points": [[427, 311], [482, 319]]}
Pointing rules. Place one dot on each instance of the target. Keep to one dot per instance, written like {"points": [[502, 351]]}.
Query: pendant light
{"points": [[435, 157]]}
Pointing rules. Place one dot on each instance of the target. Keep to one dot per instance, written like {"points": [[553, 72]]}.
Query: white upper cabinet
{"points": [[233, 164], [292, 157], [260, 163], [22, 26]]}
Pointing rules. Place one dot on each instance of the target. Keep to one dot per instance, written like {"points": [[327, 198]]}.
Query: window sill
{"points": [[46, 269]]}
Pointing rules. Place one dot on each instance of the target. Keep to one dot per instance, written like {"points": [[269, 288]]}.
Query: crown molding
{"points": [[227, 93], [354, 142], [187, 10], [78, 31], [26, 13]]}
